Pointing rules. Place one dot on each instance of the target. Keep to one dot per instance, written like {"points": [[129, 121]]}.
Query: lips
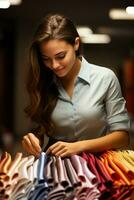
{"points": [[59, 69]]}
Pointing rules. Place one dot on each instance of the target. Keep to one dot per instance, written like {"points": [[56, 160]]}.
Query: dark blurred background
{"points": [[17, 25]]}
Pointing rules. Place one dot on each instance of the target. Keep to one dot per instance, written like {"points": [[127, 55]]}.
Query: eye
{"points": [[45, 59], [61, 56]]}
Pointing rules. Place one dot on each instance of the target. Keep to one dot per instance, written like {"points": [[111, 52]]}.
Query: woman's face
{"points": [[59, 56]]}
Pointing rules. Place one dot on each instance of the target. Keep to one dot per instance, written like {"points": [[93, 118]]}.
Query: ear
{"points": [[77, 43]]}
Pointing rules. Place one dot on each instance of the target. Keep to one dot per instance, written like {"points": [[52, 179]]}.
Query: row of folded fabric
{"points": [[109, 175]]}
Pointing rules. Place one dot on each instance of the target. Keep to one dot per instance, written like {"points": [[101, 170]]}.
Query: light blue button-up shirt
{"points": [[96, 107]]}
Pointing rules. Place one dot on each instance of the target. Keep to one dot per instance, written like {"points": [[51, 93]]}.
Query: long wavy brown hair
{"points": [[41, 88]]}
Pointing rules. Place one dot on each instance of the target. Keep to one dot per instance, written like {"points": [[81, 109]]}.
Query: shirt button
{"points": [[74, 108]]}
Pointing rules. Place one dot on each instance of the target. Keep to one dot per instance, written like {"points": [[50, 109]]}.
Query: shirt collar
{"points": [[84, 72]]}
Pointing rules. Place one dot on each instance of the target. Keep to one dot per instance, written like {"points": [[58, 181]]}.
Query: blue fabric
{"points": [[41, 187], [42, 163]]}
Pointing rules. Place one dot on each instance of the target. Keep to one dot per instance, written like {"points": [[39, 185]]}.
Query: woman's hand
{"points": [[31, 144], [64, 149]]}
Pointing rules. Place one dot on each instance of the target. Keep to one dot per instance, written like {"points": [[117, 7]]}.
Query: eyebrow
{"points": [[55, 54]]}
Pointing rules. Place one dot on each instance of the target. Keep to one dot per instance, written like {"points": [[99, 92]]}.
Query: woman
{"points": [[77, 104]]}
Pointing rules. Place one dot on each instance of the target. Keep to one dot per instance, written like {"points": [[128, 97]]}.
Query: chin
{"points": [[61, 75]]}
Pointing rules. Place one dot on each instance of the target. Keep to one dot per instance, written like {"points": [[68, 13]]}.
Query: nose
{"points": [[55, 64]]}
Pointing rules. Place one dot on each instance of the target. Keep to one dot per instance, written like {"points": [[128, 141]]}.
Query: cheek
{"points": [[70, 60]]}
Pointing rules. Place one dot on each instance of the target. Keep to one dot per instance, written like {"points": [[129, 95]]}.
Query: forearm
{"points": [[114, 140]]}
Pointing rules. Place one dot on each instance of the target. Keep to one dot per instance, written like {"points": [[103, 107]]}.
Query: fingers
{"points": [[25, 147], [52, 148], [64, 154], [28, 146], [35, 142], [58, 149], [34, 137], [31, 144], [61, 152]]}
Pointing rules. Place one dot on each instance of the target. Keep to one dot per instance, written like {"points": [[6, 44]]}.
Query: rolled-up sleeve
{"points": [[117, 115]]}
